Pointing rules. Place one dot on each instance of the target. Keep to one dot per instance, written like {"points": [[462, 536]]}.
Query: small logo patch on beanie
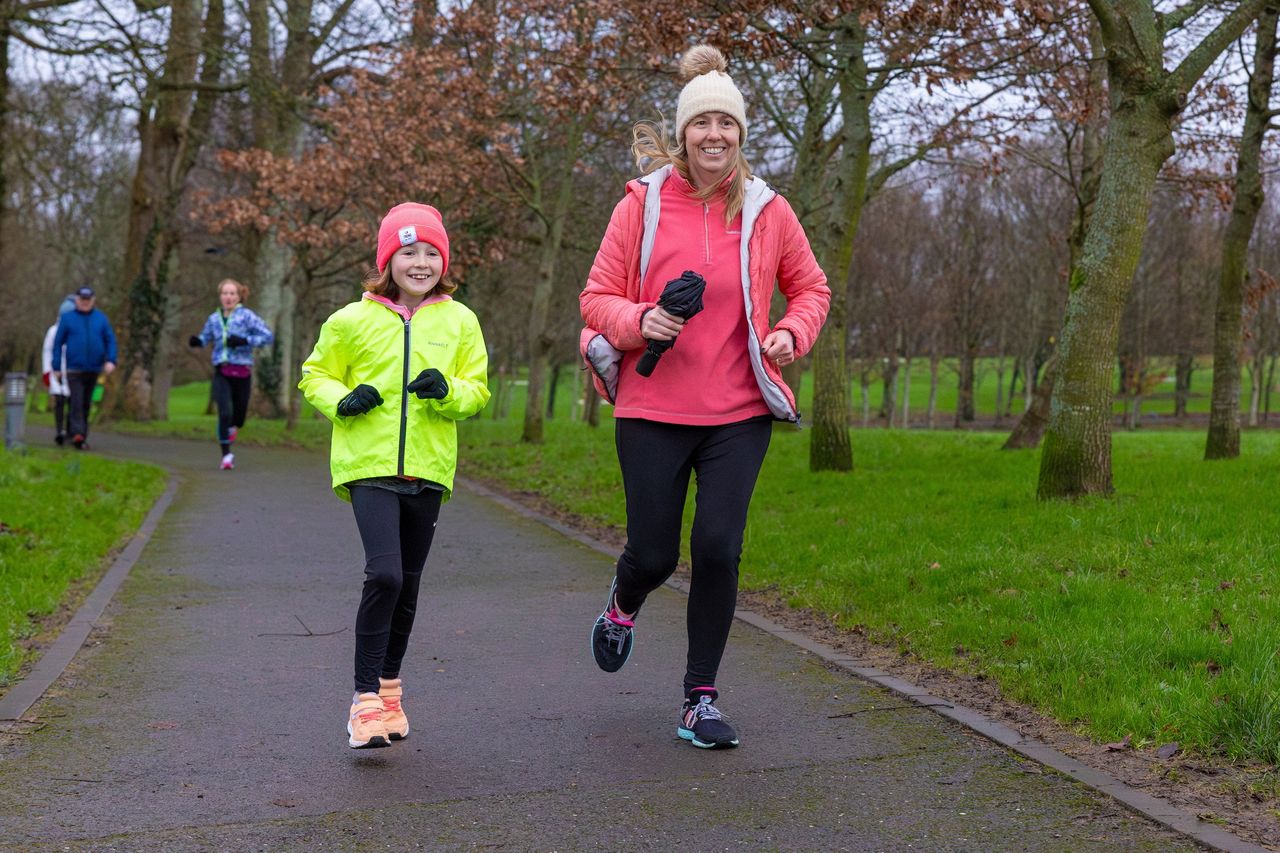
{"points": [[408, 235]]}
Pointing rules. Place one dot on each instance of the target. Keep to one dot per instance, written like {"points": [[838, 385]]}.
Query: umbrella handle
{"points": [[648, 361]]}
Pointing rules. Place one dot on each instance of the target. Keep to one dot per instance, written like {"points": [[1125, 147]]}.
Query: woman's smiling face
{"points": [[711, 144]]}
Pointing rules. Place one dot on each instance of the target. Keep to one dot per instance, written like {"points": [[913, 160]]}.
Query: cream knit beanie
{"points": [[708, 89]]}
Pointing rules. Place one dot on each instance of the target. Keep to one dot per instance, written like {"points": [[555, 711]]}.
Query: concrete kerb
{"points": [[19, 699], [1158, 810]]}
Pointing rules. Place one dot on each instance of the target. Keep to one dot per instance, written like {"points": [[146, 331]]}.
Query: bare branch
{"points": [[1211, 47], [1176, 18]]}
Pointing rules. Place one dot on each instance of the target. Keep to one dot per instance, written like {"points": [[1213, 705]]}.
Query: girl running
{"points": [[394, 372], [233, 331]]}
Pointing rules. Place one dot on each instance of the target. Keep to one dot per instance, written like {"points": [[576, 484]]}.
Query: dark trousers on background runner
{"points": [[656, 460], [61, 417], [231, 397], [81, 384], [396, 531]]}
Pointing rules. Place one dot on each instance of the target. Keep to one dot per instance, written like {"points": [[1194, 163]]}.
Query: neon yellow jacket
{"points": [[376, 342]]}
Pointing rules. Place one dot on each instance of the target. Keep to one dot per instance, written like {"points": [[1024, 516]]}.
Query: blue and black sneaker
{"points": [[612, 635], [701, 722]]}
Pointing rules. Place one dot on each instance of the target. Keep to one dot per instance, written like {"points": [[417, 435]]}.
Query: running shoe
{"points": [[60, 439], [228, 462], [612, 635], [701, 722], [365, 729], [397, 724], [79, 441]]}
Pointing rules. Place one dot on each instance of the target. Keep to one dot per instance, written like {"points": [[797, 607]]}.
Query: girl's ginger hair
{"points": [[242, 289], [381, 284]]}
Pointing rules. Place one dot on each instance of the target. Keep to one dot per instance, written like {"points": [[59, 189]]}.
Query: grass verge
{"points": [[60, 517]]}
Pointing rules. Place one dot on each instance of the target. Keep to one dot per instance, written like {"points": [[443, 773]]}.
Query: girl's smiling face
{"points": [[711, 144], [416, 270], [228, 296]]}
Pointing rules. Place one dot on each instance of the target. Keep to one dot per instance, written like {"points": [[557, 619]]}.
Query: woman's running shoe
{"points": [[701, 722], [612, 635]]}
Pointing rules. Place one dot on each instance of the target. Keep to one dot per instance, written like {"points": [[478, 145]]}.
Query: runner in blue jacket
{"points": [[91, 349]]}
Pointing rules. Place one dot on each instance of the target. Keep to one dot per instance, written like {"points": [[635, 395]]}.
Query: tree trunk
{"points": [[1000, 388], [1076, 458], [1033, 423], [864, 389], [1223, 439], [163, 134], [551, 391], [889, 392], [538, 338], [931, 408], [1182, 384], [965, 412], [906, 393], [591, 405], [1256, 367], [829, 447]]}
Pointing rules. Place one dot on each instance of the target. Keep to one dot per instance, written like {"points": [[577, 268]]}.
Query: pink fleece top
{"points": [[706, 378]]}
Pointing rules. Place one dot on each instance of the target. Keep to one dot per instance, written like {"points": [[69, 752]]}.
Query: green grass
{"points": [[1152, 613], [61, 515]]}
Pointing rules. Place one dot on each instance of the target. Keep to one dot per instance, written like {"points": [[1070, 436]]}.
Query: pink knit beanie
{"points": [[409, 223]]}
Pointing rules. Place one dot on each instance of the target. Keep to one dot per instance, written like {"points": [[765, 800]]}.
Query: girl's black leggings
{"points": [[656, 460], [231, 396], [396, 531]]}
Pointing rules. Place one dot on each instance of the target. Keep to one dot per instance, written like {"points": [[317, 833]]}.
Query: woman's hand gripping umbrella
{"points": [[681, 297]]}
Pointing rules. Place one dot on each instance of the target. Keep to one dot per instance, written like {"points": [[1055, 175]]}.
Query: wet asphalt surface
{"points": [[207, 710]]}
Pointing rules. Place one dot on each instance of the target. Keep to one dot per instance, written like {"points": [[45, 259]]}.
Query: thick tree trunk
{"points": [[1076, 458], [829, 446], [965, 412], [1223, 439]]}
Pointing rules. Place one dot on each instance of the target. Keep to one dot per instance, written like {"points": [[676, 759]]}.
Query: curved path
{"points": [[206, 712]]}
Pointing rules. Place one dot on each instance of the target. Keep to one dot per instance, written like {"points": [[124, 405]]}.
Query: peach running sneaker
{"points": [[397, 724], [365, 725]]}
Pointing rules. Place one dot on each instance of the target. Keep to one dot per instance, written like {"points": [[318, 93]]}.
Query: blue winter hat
{"points": [[68, 304]]}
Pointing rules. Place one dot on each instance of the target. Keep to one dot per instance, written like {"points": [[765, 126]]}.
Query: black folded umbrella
{"points": [[681, 297]]}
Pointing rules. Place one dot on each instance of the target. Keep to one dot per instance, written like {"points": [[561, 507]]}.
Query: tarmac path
{"points": [[207, 710]]}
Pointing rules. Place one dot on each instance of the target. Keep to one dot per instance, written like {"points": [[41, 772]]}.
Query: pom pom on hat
{"points": [[707, 89], [409, 223]]}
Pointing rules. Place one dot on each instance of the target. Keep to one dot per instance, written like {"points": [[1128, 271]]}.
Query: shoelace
{"points": [[615, 633], [703, 711], [391, 704]]}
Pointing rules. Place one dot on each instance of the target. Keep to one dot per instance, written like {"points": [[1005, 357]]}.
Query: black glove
{"points": [[195, 341], [429, 385], [359, 401], [236, 341]]}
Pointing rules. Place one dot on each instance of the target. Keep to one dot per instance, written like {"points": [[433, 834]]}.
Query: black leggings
{"points": [[231, 396], [656, 460], [396, 531]]}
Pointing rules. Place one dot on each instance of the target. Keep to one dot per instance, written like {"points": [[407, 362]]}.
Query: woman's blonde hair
{"points": [[242, 289], [653, 148], [381, 284]]}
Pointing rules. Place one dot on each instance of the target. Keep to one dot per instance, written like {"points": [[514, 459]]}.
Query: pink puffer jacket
{"points": [[774, 248]]}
